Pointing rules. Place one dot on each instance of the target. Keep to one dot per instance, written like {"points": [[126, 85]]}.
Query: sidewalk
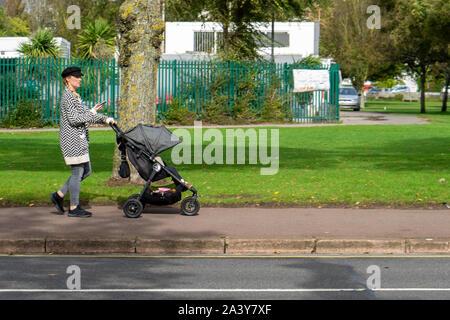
{"points": [[219, 231], [347, 118]]}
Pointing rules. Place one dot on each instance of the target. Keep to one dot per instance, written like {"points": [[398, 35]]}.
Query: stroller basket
{"points": [[162, 198]]}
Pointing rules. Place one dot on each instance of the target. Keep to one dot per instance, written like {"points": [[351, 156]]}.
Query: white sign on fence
{"points": [[311, 80]]}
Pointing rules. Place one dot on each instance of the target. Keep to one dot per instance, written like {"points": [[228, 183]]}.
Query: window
{"points": [[281, 40], [208, 41], [204, 41], [348, 91]]}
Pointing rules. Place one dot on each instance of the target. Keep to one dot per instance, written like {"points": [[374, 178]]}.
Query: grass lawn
{"points": [[365, 166], [403, 107], [433, 109]]}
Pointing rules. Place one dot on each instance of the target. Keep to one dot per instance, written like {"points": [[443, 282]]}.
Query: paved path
{"points": [[257, 223], [347, 118], [373, 118]]}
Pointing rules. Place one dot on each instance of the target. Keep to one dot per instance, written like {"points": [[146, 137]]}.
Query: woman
{"points": [[74, 141]]}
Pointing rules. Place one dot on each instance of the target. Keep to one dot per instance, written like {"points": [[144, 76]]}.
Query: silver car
{"points": [[349, 98]]}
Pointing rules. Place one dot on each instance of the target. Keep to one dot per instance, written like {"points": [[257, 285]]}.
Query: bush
{"points": [[245, 99], [243, 112], [177, 113], [26, 115], [275, 108], [398, 97], [214, 111]]}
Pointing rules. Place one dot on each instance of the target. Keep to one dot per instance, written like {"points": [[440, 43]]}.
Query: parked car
{"points": [[398, 89], [375, 90], [349, 98]]}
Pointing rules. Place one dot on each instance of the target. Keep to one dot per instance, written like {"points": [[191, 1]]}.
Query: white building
{"points": [[9, 46], [194, 40]]}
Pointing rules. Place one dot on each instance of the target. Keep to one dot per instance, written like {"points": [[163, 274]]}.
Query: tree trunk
{"points": [[226, 37], [362, 99], [423, 79], [358, 84], [225, 45], [141, 30], [445, 98], [272, 39]]}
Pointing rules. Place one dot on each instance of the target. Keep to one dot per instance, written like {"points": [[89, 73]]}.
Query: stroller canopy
{"points": [[154, 139]]}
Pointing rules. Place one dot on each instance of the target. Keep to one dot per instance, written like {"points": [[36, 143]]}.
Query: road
{"points": [[224, 278]]}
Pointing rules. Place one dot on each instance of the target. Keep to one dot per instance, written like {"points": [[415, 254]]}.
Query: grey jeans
{"points": [[73, 184]]}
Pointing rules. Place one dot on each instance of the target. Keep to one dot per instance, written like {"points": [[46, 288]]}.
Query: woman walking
{"points": [[74, 141]]}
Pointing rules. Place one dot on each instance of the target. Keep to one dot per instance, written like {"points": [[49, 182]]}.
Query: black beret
{"points": [[72, 71]]}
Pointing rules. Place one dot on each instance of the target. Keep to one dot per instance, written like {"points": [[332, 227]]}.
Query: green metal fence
{"points": [[39, 80], [196, 83], [193, 83]]}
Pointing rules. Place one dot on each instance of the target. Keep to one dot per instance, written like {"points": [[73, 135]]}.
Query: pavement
{"points": [[346, 118], [379, 118], [227, 231]]}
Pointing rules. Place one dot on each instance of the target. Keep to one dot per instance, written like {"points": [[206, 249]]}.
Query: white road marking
{"points": [[219, 290]]}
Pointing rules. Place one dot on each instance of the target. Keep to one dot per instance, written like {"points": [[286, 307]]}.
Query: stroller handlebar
{"points": [[115, 128]]}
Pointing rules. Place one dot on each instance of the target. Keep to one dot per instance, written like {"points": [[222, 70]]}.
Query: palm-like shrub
{"points": [[97, 40], [41, 45]]}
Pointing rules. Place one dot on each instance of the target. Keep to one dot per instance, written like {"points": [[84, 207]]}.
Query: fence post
{"points": [[174, 77]]}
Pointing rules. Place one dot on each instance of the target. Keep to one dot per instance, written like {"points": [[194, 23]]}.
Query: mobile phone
{"points": [[100, 105]]}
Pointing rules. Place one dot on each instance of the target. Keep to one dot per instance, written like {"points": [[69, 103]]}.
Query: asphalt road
{"points": [[225, 278]]}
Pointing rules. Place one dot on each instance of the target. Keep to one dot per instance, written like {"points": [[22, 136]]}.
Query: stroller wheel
{"points": [[133, 208], [190, 206]]}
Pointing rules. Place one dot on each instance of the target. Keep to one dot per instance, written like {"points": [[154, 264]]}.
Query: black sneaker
{"points": [[58, 202], [79, 213]]}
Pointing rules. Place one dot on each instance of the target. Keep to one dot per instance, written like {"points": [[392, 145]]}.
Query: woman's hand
{"points": [[110, 121], [99, 106]]}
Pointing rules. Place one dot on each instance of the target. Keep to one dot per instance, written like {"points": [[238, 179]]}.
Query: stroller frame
{"points": [[134, 206]]}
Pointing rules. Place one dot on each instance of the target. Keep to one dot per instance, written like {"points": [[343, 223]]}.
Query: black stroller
{"points": [[142, 144]]}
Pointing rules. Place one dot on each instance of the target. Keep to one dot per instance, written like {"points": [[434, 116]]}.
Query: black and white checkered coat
{"points": [[73, 128]]}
